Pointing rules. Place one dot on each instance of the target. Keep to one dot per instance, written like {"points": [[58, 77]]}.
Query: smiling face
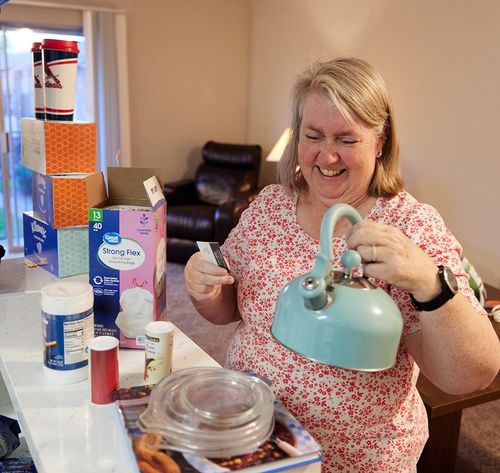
{"points": [[336, 158]]}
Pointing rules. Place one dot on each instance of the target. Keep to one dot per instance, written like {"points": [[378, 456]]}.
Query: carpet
{"points": [[479, 443]]}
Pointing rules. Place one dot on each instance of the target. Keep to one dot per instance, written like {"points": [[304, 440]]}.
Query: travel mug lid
{"points": [[36, 47], [60, 45]]}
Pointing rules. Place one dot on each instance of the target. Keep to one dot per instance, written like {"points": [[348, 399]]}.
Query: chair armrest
{"points": [[181, 192], [228, 215], [247, 196]]}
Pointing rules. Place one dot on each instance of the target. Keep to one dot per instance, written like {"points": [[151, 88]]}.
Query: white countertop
{"points": [[64, 431]]}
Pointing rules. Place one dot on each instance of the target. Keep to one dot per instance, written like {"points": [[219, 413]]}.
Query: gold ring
{"points": [[374, 254]]}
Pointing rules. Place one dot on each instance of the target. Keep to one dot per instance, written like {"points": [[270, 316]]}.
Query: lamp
{"points": [[334, 317], [278, 149]]}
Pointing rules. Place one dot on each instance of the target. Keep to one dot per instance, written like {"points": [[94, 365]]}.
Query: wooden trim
{"points": [[123, 89], [64, 6]]}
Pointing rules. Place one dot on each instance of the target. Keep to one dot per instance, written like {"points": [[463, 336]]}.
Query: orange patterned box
{"points": [[64, 201], [58, 147]]}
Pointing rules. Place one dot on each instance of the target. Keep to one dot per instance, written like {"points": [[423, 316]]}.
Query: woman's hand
{"points": [[204, 280], [389, 255], [456, 347], [442, 347]]}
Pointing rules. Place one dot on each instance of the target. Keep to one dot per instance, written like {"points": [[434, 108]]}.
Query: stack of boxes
{"points": [[74, 222], [63, 158]]}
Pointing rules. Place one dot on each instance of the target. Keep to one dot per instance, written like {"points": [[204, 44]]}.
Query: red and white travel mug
{"points": [[104, 372], [60, 67], [36, 52]]}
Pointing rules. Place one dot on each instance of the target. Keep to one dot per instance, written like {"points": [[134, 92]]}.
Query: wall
{"points": [[192, 86], [441, 61], [222, 69]]}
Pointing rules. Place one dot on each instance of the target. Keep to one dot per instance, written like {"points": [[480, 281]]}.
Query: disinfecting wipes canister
{"points": [[158, 351], [68, 326]]}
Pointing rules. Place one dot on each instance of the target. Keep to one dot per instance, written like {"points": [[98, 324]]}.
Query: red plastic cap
{"points": [[60, 45], [36, 47]]}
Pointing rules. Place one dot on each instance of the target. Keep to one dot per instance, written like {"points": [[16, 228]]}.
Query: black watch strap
{"points": [[449, 288]]}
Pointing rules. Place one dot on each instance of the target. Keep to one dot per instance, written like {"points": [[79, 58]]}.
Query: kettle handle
{"points": [[332, 215], [322, 266]]}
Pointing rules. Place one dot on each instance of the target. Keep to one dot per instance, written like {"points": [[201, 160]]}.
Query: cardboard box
{"points": [[64, 201], [63, 252], [127, 240], [58, 147]]}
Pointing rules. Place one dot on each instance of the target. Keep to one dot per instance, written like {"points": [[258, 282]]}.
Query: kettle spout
{"points": [[314, 285], [314, 292]]}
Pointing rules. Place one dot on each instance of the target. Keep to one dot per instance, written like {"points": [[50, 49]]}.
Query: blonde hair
{"points": [[357, 90]]}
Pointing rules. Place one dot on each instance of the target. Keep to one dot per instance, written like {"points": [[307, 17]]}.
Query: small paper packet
{"points": [[211, 251]]}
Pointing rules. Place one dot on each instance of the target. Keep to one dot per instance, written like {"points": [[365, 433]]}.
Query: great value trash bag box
{"points": [[63, 252], [127, 256]]}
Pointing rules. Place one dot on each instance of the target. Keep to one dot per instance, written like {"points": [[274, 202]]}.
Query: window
{"points": [[102, 93], [17, 101]]}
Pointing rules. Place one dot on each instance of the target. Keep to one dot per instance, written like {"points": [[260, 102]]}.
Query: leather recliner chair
{"points": [[207, 207]]}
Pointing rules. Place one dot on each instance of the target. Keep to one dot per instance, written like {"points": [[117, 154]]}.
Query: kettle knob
{"points": [[351, 260]]}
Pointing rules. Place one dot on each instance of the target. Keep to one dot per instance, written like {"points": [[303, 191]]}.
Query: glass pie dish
{"points": [[210, 412]]}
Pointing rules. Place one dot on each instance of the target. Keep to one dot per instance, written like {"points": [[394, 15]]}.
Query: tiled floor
{"points": [[7, 409]]}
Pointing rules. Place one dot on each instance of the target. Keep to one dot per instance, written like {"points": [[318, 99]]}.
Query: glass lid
{"points": [[210, 411]]}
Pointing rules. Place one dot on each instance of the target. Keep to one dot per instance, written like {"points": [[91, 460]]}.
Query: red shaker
{"points": [[104, 372]]}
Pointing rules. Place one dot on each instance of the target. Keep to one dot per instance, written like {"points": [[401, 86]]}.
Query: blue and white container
{"points": [[68, 326], [36, 51]]}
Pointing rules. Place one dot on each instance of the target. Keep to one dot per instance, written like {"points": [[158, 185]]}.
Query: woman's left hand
{"points": [[389, 255]]}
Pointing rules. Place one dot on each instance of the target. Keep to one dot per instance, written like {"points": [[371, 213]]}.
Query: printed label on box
{"points": [[154, 191]]}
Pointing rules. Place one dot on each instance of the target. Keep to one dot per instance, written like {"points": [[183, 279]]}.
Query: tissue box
{"points": [[62, 252], [127, 248], [58, 147], [64, 201]]}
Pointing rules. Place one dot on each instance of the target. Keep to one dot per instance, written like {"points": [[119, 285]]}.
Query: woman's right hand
{"points": [[204, 280]]}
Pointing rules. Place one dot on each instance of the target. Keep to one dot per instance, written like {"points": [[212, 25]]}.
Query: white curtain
{"points": [[102, 32]]}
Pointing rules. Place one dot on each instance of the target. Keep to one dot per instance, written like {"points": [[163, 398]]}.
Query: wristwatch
{"points": [[449, 287]]}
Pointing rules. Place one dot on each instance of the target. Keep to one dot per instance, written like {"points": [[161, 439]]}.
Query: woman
{"points": [[344, 148]]}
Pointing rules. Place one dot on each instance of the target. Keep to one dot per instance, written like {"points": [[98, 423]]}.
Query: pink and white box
{"points": [[127, 266]]}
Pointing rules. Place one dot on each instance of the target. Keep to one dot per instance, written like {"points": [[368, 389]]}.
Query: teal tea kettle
{"points": [[334, 317]]}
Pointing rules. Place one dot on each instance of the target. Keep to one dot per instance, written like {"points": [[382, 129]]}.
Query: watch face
{"points": [[450, 279]]}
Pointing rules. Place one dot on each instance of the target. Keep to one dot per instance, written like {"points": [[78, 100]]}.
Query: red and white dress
{"points": [[365, 422]]}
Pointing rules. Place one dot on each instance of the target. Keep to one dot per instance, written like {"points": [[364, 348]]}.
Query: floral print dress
{"points": [[366, 422]]}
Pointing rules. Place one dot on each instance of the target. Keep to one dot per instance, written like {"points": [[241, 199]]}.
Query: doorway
{"points": [[16, 102]]}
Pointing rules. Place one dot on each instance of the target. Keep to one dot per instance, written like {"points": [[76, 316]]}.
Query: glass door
{"points": [[16, 102]]}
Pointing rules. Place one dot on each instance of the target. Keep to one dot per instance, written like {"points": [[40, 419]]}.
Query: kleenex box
{"points": [[63, 252], [127, 248]]}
